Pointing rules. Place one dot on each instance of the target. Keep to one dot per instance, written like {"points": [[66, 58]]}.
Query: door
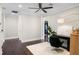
{"points": [[46, 30]]}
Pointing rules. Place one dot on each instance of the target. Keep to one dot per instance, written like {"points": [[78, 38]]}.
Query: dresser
{"points": [[74, 42]]}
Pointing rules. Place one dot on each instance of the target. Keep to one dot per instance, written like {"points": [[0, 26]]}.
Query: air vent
{"points": [[14, 11]]}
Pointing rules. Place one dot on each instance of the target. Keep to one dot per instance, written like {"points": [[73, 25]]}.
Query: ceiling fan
{"points": [[41, 8]]}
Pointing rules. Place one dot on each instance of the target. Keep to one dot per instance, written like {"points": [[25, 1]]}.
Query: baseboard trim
{"points": [[12, 37], [28, 40]]}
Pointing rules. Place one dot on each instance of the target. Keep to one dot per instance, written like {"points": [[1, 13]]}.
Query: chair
{"points": [[55, 42]]}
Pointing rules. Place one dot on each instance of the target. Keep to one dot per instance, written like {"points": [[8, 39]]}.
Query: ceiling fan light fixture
{"points": [[41, 8]]}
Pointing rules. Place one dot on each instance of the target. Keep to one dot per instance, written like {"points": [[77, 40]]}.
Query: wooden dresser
{"points": [[74, 42]]}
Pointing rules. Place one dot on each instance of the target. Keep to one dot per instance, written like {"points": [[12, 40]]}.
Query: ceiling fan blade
{"points": [[40, 5], [44, 11], [37, 10], [33, 8], [47, 7]]}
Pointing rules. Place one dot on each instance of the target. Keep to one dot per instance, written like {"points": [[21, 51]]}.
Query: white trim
{"points": [[11, 37], [27, 40]]}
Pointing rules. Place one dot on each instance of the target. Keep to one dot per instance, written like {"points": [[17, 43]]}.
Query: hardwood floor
{"points": [[26, 51], [10, 47]]}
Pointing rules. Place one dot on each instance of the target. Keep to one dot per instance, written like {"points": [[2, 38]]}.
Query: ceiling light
{"points": [[20, 6], [61, 20]]}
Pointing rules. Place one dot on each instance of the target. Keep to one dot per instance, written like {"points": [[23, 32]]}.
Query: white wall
{"points": [[64, 30], [68, 15], [11, 26], [1, 33], [71, 19], [52, 22], [30, 28], [27, 28], [0, 18]]}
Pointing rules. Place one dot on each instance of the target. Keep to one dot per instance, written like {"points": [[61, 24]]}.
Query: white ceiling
{"points": [[57, 7]]}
